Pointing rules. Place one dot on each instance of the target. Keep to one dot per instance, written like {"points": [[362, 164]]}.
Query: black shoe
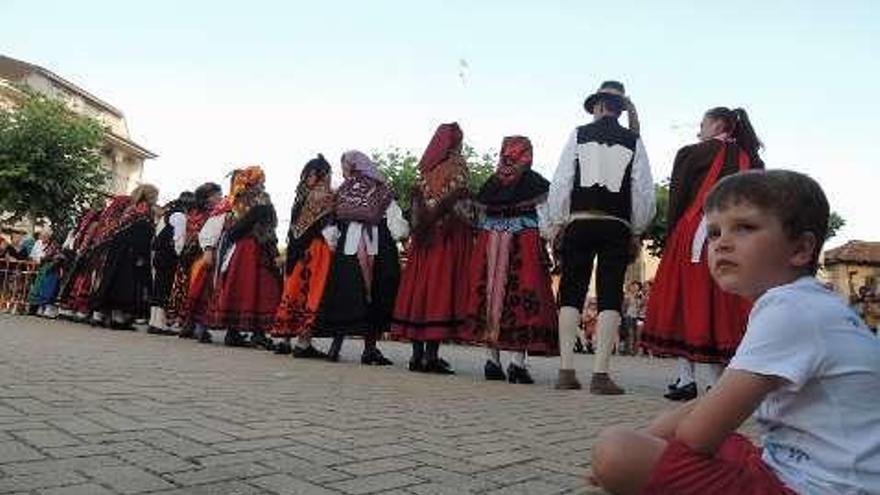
{"points": [[374, 357], [439, 366], [234, 339], [674, 385], [308, 353], [283, 348], [417, 365], [186, 334], [260, 341], [518, 374], [155, 330], [681, 394], [205, 337], [493, 371]]}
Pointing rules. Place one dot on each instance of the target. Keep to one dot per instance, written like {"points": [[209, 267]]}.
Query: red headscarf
{"points": [[446, 141], [515, 158]]}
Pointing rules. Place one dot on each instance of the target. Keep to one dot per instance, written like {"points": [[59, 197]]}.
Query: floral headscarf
{"points": [[515, 158], [311, 204], [364, 195], [246, 179], [358, 162], [442, 169]]}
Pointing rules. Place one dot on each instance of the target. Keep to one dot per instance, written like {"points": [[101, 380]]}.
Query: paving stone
{"points": [[218, 473], [375, 483], [128, 479], [68, 464], [376, 466], [84, 489], [282, 484], [97, 449], [40, 480], [46, 438], [157, 461], [12, 451], [224, 488], [534, 487]]}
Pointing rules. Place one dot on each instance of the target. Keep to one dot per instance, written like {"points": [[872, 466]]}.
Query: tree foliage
{"points": [[50, 167], [655, 235], [401, 168], [835, 223]]}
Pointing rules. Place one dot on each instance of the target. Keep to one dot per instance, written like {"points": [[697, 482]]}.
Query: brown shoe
{"points": [[602, 384], [567, 381]]}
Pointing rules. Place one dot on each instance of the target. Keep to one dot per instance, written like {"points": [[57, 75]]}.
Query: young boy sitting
{"points": [[807, 366]]}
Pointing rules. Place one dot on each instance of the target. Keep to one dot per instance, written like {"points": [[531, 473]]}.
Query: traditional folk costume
{"points": [[511, 304], [196, 217], [365, 270], [307, 263], [431, 305], [91, 260], [167, 246], [45, 287], [249, 283], [688, 315], [602, 195], [122, 287], [199, 313], [74, 252]]}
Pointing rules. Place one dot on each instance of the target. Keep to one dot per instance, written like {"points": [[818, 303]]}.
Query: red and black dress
{"points": [[432, 301], [688, 315], [125, 279], [309, 255], [249, 281], [511, 304], [191, 252]]}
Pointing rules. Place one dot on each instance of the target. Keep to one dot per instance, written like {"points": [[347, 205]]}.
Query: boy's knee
{"points": [[609, 454]]}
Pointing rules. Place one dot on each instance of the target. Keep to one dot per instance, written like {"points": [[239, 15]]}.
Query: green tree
{"points": [[655, 235], [50, 167], [401, 168], [835, 223]]}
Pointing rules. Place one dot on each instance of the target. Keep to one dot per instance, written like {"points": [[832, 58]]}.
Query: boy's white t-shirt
{"points": [[822, 429]]}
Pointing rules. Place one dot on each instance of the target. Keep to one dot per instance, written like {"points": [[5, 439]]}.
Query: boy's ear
{"points": [[804, 249]]}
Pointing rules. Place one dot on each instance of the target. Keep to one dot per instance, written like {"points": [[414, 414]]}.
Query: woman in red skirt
{"points": [[511, 304], [688, 316], [308, 260], [431, 303], [249, 282]]}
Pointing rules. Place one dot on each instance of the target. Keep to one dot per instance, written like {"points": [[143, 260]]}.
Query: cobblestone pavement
{"points": [[93, 411]]}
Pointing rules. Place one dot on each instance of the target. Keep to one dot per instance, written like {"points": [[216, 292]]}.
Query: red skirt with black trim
{"points": [[510, 302], [431, 301], [249, 290], [688, 315]]}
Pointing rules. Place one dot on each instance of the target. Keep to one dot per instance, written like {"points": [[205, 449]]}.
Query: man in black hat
{"points": [[600, 201]]}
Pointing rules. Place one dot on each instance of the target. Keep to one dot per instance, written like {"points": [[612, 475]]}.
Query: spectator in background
{"points": [[41, 245], [17, 248], [633, 308]]}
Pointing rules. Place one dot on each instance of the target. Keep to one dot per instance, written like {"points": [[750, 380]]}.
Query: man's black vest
{"points": [[609, 135]]}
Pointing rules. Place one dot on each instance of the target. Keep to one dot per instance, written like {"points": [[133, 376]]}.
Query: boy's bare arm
{"points": [[665, 425], [733, 399]]}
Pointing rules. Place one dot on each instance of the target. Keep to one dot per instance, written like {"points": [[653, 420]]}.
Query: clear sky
{"points": [[209, 86]]}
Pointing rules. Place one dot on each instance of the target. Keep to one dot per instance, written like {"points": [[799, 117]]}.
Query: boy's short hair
{"points": [[794, 198]]}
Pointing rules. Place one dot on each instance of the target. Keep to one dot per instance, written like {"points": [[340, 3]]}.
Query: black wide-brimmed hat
{"points": [[611, 90]]}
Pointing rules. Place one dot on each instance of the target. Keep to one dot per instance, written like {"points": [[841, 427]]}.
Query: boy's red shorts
{"points": [[736, 469]]}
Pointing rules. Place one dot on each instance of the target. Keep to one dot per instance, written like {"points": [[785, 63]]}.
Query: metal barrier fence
{"points": [[16, 279]]}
